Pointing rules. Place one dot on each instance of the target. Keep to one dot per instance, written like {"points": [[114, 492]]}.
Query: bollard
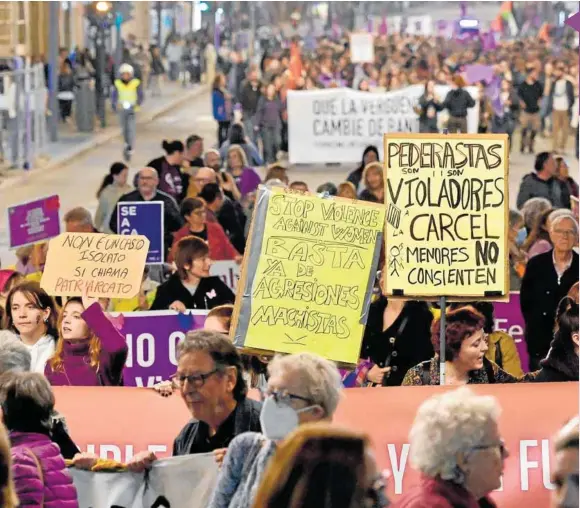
{"points": [[85, 107]]}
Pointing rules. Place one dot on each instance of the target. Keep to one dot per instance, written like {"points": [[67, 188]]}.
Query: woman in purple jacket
{"points": [[90, 350], [40, 475], [246, 178]]}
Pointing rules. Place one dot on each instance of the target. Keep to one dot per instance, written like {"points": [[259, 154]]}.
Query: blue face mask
{"points": [[521, 236]]}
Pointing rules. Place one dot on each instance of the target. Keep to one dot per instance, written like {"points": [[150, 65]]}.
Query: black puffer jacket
{"points": [[458, 102]]}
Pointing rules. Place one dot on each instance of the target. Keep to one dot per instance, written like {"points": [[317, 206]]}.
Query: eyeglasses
{"points": [[283, 396], [197, 380], [564, 232], [501, 445]]}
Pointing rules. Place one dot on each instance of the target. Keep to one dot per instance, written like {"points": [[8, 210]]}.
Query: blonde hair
{"points": [[240, 151], [317, 465], [371, 166], [8, 497], [346, 188]]}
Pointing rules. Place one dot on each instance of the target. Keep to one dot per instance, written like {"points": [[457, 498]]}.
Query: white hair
{"points": [[446, 425], [533, 208], [559, 215], [319, 377], [14, 355], [208, 151]]}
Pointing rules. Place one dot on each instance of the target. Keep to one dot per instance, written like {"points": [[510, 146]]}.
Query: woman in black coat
{"points": [[191, 287], [561, 364], [371, 154], [397, 337]]}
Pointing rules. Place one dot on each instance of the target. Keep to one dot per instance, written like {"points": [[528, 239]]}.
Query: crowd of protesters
{"points": [[265, 447]]}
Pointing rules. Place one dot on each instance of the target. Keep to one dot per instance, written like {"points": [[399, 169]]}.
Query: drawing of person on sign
{"points": [[394, 262]]}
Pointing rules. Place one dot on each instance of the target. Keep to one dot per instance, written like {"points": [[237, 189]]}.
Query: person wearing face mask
{"points": [[302, 388], [465, 349], [168, 167], [374, 190], [90, 350], [457, 447], [320, 465], [561, 363], [31, 315], [565, 470], [210, 380], [192, 287]]}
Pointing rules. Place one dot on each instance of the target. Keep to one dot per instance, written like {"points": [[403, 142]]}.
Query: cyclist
{"points": [[127, 97]]}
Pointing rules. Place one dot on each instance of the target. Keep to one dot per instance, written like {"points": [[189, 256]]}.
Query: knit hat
{"points": [[5, 276]]}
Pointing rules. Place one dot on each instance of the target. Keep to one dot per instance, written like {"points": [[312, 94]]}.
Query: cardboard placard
{"points": [[110, 265], [447, 216], [308, 275]]}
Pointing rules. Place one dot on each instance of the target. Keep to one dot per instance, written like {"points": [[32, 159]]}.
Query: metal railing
{"points": [[23, 99]]}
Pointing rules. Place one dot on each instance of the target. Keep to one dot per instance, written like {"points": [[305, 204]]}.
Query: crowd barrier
{"points": [[335, 125], [116, 423]]}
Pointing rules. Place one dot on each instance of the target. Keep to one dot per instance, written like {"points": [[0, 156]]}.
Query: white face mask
{"points": [[278, 419]]}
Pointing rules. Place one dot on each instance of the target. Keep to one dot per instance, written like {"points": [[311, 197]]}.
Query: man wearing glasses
{"points": [[547, 280], [209, 378]]}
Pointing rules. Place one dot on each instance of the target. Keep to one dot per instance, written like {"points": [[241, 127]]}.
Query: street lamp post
{"points": [[102, 10]]}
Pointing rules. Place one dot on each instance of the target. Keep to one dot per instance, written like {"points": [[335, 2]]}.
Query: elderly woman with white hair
{"points": [[456, 445], [547, 280], [302, 388]]}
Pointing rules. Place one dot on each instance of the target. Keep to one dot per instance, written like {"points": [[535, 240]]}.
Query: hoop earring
{"points": [[458, 475]]}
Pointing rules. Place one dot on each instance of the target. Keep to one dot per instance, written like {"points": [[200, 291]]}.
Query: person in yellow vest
{"points": [[126, 99]]}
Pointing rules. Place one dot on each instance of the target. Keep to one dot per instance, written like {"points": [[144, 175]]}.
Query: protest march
{"points": [[351, 281]]}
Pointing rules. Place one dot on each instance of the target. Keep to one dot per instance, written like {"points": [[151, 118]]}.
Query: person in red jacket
{"points": [[457, 447], [194, 211]]}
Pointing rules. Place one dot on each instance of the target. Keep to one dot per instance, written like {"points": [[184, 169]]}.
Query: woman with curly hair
{"points": [[466, 344], [90, 351], [457, 447]]}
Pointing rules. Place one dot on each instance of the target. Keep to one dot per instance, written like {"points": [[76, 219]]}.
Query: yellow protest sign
{"points": [[447, 215], [308, 275], [111, 266]]}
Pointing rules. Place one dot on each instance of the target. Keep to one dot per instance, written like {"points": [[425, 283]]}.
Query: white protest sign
{"points": [[336, 125], [178, 482], [362, 48], [228, 271]]}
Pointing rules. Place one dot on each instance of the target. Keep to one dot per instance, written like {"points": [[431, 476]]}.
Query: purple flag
{"points": [[478, 72], [493, 92]]}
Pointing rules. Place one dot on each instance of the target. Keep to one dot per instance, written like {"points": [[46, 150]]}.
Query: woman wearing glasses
{"points": [[456, 445], [194, 212], [302, 388]]}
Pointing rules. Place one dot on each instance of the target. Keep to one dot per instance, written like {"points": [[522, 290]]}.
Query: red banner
{"points": [[118, 422]]}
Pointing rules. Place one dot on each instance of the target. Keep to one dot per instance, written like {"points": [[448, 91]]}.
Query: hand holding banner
{"points": [[110, 266]]}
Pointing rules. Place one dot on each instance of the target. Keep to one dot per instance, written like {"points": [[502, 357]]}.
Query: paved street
{"points": [[77, 182]]}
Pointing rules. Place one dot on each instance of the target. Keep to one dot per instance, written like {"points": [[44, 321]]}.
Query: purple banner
{"points": [[34, 221], [152, 338], [508, 318]]}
